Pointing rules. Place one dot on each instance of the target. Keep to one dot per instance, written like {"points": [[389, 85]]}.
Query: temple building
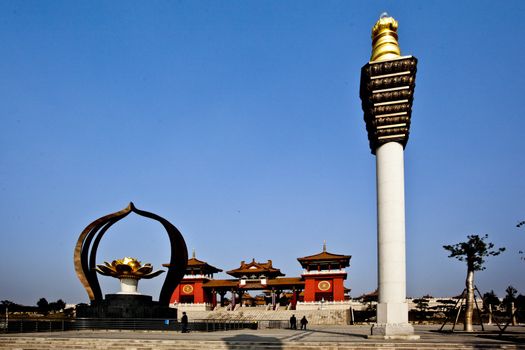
{"points": [[322, 282], [190, 290], [324, 275]]}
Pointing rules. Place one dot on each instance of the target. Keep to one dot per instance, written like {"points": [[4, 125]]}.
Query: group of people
{"points": [[293, 322]]}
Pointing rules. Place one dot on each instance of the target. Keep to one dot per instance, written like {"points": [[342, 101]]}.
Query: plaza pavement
{"points": [[317, 337]]}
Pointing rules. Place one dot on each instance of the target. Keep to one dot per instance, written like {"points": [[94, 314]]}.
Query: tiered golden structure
{"points": [[384, 39], [387, 87]]}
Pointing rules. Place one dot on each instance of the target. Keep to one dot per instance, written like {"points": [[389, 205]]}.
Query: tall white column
{"points": [[392, 308], [387, 92]]}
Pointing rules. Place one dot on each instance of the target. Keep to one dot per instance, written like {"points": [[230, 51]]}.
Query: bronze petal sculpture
{"points": [[87, 246]]}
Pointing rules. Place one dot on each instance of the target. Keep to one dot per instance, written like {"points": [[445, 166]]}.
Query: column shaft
{"points": [[392, 307]]}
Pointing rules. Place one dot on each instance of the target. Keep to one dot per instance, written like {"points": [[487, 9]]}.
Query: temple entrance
{"points": [[187, 299], [324, 297]]}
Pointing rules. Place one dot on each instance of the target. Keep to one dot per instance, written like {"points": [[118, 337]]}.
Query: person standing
{"points": [[304, 322], [184, 322], [293, 322]]}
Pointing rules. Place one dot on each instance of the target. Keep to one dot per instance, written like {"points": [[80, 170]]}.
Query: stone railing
{"points": [[324, 272], [327, 305], [192, 307]]}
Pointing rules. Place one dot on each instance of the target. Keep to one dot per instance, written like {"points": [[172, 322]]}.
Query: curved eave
{"points": [[325, 257], [241, 272]]}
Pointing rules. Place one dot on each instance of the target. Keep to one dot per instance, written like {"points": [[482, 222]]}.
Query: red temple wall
{"points": [[198, 292], [309, 289], [190, 290], [339, 289], [335, 291], [175, 297]]}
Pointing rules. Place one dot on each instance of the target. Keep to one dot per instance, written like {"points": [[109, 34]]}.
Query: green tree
{"points": [[5, 305], [43, 306], [520, 302], [61, 305], [57, 305], [446, 304], [510, 296], [421, 304], [490, 298], [473, 252]]}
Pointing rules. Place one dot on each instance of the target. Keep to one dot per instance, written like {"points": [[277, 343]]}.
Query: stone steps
{"points": [[315, 317], [45, 343]]}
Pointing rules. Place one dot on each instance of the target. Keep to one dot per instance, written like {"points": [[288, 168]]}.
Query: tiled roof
{"points": [[288, 281], [274, 282], [196, 264], [255, 268], [325, 257], [221, 284]]}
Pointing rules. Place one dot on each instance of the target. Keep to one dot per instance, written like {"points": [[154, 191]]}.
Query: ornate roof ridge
{"points": [[255, 266], [323, 255]]}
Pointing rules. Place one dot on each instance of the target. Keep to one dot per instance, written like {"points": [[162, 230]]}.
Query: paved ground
{"points": [[317, 334]]}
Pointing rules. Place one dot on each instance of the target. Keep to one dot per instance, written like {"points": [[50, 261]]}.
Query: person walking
{"points": [[293, 322], [304, 322], [184, 322]]}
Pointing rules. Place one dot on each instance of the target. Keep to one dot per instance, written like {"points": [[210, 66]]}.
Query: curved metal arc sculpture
{"points": [[86, 252]]}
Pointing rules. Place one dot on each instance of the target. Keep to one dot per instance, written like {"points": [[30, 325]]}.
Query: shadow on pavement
{"points": [[247, 341], [360, 335], [516, 339]]}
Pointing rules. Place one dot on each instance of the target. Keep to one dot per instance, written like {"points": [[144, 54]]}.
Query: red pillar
{"points": [[175, 297], [309, 289], [233, 299], [198, 292], [293, 302], [338, 289], [213, 298]]}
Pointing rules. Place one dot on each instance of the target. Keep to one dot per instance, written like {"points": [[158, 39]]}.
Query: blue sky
{"points": [[240, 122]]}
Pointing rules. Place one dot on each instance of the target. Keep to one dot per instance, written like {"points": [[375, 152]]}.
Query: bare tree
{"points": [[473, 252]]}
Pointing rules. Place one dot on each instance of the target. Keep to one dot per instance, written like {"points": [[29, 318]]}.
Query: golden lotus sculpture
{"points": [[129, 271]]}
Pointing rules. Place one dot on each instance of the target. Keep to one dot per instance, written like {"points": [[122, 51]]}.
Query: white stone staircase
{"points": [[314, 317], [114, 343]]}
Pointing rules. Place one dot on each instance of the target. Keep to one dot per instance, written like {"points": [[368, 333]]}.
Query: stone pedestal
{"points": [[126, 306], [392, 331], [129, 286]]}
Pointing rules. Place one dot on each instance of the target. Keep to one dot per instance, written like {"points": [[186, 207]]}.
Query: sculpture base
{"points": [[393, 331], [126, 306]]}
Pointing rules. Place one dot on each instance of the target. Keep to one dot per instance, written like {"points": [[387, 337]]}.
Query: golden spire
{"points": [[193, 254], [384, 39], [324, 246]]}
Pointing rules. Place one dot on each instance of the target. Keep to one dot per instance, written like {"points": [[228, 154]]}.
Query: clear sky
{"points": [[240, 122]]}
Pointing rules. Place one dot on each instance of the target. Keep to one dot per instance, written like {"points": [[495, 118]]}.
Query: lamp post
{"points": [[387, 90]]}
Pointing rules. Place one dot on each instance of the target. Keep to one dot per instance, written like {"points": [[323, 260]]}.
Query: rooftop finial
{"points": [[193, 254], [384, 39], [324, 246]]}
